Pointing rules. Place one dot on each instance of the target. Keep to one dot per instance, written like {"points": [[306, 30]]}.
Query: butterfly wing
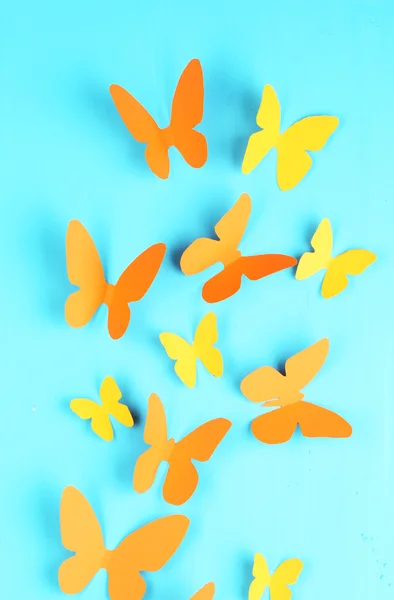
{"points": [[303, 366], [260, 143], [207, 592], [100, 421], [132, 285], [182, 477], [261, 576], [81, 533], [110, 395], [279, 425], [200, 255], [185, 359], [316, 421], [155, 434], [146, 549], [204, 252], [309, 134], [265, 383], [276, 426], [143, 128], [84, 269], [227, 283], [286, 574], [207, 335], [187, 112], [312, 262], [223, 285], [352, 262], [155, 431], [261, 265], [231, 227]]}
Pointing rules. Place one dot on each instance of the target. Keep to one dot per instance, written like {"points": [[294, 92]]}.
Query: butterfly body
{"points": [[108, 295], [350, 262], [85, 270], [182, 478], [205, 252], [146, 549], [187, 112], [293, 145], [269, 387]]}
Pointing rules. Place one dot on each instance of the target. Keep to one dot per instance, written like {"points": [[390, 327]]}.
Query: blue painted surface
{"points": [[65, 154]]}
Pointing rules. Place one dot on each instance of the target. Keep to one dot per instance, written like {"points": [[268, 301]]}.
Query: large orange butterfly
{"points": [[146, 549], [205, 252], [186, 113], [85, 270], [182, 477], [272, 388]]}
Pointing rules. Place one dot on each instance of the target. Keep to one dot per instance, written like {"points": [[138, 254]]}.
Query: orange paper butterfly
{"points": [[186, 113], [205, 252], [146, 549], [267, 385], [182, 477], [85, 270]]}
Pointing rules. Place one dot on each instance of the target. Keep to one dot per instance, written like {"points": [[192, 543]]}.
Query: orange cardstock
{"points": [[187, 112], [205, 252], [268, 386], [182, 477], [146, 549], [85, 270]]}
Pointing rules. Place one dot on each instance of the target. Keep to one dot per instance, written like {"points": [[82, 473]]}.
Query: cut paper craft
{"points": [[307, 135], [286, 574], [182, 478], [205, 593], [100, 414], [186, 113], [351, 262], [146, 549], [205, 252], [273, 389], [186, 355], [85, 270]]}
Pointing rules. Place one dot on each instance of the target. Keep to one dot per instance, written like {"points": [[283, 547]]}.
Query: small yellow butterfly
{"points": [[351, 262], [307, 135], [186, 355], [100, 414], [286, 574]]}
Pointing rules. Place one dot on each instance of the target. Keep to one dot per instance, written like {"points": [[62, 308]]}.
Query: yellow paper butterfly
{"points": [[307, 135], [186, 355], [286, 574], [351, 262], [100, 414]]}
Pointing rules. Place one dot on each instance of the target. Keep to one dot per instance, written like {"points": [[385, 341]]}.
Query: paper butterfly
{"points": [[186, 355], [286, 574], [85, 270], [186, 113], [205, 252], [146, 549], [182, 477], [100, 414], [205, 593], [307, 135], [351, 262], [272, 388]]}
